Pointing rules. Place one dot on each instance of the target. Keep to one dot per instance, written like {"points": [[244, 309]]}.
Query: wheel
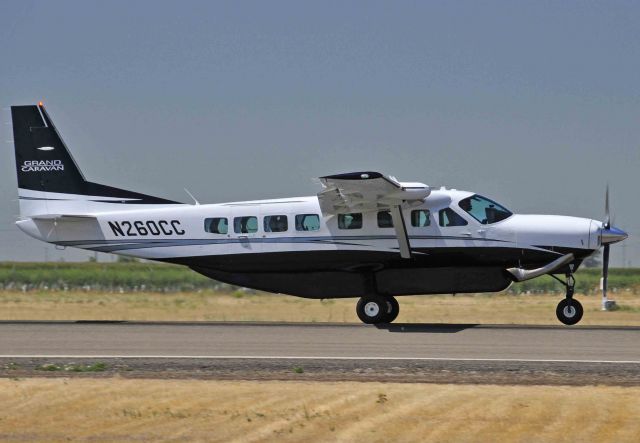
{"points": [[372, 309], [569, 312], [393, 309]]}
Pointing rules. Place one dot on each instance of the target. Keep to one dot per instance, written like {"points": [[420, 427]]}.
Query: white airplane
{"points": [[364, 234]]}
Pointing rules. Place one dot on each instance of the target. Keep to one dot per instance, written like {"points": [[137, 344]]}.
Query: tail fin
{"points": [[47, 171]]}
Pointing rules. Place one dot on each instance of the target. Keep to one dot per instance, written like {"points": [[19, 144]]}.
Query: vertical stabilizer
{"points": [[49, 179], [43, 162]]}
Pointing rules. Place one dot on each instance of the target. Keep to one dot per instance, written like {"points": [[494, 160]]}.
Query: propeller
{"points": [[608, 235], [606, 225]]}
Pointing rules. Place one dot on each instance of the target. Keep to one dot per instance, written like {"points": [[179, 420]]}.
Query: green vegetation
{"points": [[94, 367], [49, 367], [111, 277], [159, 277], [73, 367]]}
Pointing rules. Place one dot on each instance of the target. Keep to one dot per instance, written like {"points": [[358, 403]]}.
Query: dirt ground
{"points": [[37, 409], [211, 306]]}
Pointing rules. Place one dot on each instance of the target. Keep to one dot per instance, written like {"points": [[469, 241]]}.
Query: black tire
{"points": [[569, 314], [372, 309], [393, 309]]}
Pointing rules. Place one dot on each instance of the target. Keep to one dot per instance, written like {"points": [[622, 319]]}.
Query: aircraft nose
{"points": [[612, 235]]}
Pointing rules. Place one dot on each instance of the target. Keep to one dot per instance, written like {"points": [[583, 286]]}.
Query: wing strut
{"points": [[401, 231]]}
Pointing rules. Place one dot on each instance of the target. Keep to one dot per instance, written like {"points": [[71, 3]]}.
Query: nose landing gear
{"points": [[569, 311], [374, 309]]}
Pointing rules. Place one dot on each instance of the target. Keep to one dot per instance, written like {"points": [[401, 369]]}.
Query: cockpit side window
{"points": [[449, 217], [484, 210]]}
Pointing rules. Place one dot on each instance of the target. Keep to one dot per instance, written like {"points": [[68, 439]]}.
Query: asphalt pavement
{"points": [[456, 353]]}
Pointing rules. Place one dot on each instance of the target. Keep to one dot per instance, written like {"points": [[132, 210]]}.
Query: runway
{"points": [[282, 340], [415, 352]]}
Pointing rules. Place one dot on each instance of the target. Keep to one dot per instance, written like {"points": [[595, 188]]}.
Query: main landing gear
{"points": [[569, 310], [374, 309]]}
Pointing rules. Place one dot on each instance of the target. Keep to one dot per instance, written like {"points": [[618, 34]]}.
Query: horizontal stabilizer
{"points": [[66, 217], [55, 228]]}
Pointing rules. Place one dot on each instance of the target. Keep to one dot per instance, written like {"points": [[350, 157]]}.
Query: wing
{"points": [[372, 191], [367, 191]]}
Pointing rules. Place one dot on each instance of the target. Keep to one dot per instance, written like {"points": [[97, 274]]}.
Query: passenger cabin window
{"points": [[420, 218], [484, 210], [350, 221], [307, 222], [385, 220], [275, 223], [216, 225], [245, 225], [449, 217]]}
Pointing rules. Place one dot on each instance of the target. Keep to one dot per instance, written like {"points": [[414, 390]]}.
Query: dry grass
{"points": [[482, 308], [191, 410]]}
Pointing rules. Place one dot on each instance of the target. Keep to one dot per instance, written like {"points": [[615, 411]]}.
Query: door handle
{"points": [[468, 234]]}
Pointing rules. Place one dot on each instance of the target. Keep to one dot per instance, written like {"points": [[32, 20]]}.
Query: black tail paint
{"points": [[43, 162]]}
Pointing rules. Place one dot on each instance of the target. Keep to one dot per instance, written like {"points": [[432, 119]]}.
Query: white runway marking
{"points": [[288, 357]]}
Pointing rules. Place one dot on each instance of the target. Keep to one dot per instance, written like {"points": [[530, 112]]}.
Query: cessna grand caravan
{"points": [[364, 234]]}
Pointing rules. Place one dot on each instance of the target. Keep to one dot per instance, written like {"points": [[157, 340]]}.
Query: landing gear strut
{"points": [[374, 309], [569, 311]]}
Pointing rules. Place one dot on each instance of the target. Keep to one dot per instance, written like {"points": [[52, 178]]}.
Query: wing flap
{"points": [[367, 191]]}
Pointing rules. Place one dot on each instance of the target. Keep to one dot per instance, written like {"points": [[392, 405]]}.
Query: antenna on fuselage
{"points": [[191, 195]]}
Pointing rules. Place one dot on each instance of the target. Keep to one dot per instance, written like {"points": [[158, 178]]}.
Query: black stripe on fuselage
{"points": [[305, 261]]}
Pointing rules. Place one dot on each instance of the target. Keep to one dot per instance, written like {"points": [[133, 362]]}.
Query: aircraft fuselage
{"points": [[328, 260]]}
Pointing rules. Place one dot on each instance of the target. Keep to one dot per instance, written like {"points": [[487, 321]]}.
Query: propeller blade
{"points": [[607, 218], [605, 274]]}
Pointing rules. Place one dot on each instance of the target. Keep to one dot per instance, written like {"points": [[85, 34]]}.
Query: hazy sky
{"points": [[535, 104]]}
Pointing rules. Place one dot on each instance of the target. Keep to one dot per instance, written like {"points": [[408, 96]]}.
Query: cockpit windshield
{"points": [[484, 210]]}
